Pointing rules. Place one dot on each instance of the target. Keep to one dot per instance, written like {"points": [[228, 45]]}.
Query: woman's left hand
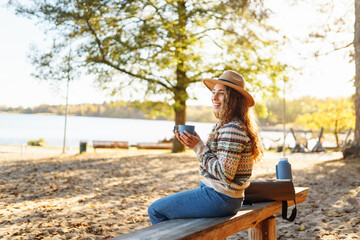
{"points": [[187, 139]]}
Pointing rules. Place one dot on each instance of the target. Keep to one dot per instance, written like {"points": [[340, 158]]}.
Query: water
{"points": [[17, 129]]}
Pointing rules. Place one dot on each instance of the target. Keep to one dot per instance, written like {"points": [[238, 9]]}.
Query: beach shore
{"points": [[48, 195]]}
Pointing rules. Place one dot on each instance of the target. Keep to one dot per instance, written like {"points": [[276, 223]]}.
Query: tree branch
{"points": [[317, 54], [107, 62]]}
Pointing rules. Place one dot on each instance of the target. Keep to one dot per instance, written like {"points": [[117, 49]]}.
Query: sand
{"points": [[47, 195]]}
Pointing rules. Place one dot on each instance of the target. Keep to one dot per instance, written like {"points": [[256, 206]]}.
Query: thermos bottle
{"points": [[283, 169]]}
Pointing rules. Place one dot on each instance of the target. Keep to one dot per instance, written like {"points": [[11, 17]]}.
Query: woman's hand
{"points": [[188, 140]]}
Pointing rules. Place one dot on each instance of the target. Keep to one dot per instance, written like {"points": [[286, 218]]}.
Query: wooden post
{"points": [[265, 230], [284, 121]]}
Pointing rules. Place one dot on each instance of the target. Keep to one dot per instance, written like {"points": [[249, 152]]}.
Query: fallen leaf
{"points": [[333, 214]]}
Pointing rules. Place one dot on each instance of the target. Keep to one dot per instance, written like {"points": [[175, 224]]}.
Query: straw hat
{"points": [[234, 80]]}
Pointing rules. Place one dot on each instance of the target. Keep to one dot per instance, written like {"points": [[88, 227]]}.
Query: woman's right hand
{"points": [[188, 139]]}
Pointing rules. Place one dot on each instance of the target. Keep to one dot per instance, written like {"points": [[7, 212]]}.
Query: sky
{"points": [[328, 76]]}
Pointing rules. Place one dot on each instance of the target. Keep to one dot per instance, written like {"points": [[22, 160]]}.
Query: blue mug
{"points": [[181, 128], [283, 169]]}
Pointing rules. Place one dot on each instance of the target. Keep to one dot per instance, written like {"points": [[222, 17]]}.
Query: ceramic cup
{"points": [[181, 128]]}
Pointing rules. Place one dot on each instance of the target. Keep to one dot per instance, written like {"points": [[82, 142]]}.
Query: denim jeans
{"points": [[196, 203]]}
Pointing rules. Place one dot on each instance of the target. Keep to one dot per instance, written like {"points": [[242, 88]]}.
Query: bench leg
{"points": [[265, 230]]}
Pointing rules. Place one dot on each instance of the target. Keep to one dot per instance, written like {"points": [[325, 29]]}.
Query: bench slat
{"points": [[172, 229], [213, 228], [110, 144]]}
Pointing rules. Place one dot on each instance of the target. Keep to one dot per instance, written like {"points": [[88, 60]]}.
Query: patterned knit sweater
{"points": [[225, 161]]}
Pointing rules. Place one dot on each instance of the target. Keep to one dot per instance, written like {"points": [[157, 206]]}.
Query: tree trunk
{"points": [[354, 149], [337, 139], [180, 94], [180, 119], [336, 134], [357, 77]]}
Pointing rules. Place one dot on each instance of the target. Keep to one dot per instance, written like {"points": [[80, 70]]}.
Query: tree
{"points": [[354, 149], [56, 69], [161, 47], [334, 115], [337, 25], [294, 108]]}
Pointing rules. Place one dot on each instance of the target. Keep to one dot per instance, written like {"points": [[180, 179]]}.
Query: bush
{"points": [[39, 142]]}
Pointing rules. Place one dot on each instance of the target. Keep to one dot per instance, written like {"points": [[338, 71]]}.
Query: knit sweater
{"points": [[226, 161]]}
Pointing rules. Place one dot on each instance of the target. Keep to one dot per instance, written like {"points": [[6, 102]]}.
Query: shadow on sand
{"points": [[127, 185]]}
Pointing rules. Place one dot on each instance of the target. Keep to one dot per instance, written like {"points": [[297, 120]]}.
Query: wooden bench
{"points": [[258, 218], [110, 144], [154, 145]]}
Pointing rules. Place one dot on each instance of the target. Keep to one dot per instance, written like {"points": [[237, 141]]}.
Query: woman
{"points": [[226, 160]]}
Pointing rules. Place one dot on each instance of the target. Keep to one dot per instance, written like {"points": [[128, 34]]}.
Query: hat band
{"points": [[228, 81]]}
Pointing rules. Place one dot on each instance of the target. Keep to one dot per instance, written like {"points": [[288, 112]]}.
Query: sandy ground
{"points": [[48, 195]]}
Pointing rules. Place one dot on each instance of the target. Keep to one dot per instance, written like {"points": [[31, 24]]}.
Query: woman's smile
{"points": [[216, 105], [218, 96]]}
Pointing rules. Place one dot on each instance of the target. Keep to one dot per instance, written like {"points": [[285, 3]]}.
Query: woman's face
{"points": [[218, 96]]}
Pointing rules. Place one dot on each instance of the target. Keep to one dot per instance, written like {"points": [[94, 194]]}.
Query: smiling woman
{"points": [[226, 160]]}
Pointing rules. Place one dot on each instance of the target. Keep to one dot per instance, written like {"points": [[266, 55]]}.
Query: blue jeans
{"points": [[196, 203]]}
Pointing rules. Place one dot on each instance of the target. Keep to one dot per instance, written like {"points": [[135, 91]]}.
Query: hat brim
{"points": [[210, 83]]}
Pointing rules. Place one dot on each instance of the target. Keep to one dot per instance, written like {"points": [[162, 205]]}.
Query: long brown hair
{"points": [[233, 108]]}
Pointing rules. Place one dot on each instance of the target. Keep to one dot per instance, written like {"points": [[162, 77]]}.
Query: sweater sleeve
{"points": [[223, 162]]}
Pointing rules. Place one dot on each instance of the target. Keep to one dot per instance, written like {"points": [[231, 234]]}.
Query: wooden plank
{"points": [[247, 218], [154, 145], [172, 229], [110, 144], [265, 230], [214, 228]]}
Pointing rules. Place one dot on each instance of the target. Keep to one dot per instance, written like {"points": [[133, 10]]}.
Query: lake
{"points": [[17, 129]]}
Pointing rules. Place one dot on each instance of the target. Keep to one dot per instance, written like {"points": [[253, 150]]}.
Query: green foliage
{"points": [[335, 115], [39, 142], [154, 110], [200, 114], [163, 46], [261, 110], [294, 108]]}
